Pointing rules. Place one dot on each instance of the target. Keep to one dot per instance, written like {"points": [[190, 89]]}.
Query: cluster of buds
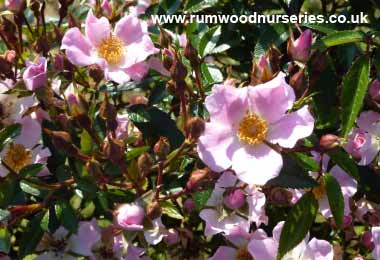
{"points": [[266, 67]]}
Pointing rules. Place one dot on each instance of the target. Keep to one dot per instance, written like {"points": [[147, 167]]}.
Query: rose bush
{"points": [[122, 138]]}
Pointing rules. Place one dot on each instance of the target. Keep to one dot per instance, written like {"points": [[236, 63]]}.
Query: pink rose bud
{"points": [[347, 221], [171, 237], [374, 90], [13, 5], [356, 141], [189, 205], [106, 7], [130, 217], [234, 199], [300, 49], [35, 74], [368, 241], [10, 56]]}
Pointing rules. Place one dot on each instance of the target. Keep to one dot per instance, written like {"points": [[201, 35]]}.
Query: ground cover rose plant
{"points": [[125, 138]]}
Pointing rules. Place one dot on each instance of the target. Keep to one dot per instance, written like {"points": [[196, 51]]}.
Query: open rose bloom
{"points": [[120, 53], [242, 123]]}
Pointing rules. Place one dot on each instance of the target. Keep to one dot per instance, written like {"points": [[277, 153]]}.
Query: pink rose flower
{"points": [[243, 120], [266, 247], [130, 217], [35, 74], [363, 142], [121, 53], [300, 49], [374, 90]]}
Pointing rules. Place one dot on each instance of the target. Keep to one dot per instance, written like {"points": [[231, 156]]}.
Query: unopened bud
{"points": [[93, 167], [195, 127], [197, 178], [153, 210], [367, 240], [114, 150], [171, 237], [374, 90], [191, 54], [130, 217], [162, 148], [108, 113], [280, 196], [138, 100], [145, 163], [329, 141], [189, 205], [10, 56], [234, 199], [298, 82], [178, 70], [62, 140], [261, 71], [165, 38], [95, 72], [300, 49]]}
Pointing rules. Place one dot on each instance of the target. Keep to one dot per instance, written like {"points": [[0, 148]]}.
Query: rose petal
{"points": [[96, 29]]}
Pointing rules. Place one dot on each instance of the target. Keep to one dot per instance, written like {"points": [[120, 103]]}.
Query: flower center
{"points": [[243, 254], [111, 49], [320, 191], [252, 129], [17, 157]]}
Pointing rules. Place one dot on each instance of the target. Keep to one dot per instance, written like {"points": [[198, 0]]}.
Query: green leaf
{"points": [[335, 197], [194, 6], [338, 38], [4, 215], [32, 235], [86, 142], [169, 209], [153, 123], [5, 240], [136, 152], [294, 174], [298, 223], [321, 27], [344, 161], [201, 197], [355, 85], [33, 189], [9, 133], [31, 170], [211, 74], [209, 40], [271, 34], [66, 215]]}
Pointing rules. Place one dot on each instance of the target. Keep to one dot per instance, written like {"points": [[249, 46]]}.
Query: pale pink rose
{"points": [[35, 74], [26, 148], [363, 142], [300, 48], [120, 53], [264, 247], [242, 120], [130, 217], [140, 8], [374, 90]]}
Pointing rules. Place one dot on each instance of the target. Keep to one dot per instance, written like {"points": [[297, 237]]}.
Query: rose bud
{"points": [[329, 141], [280, 196], [95, 72], [35, 74], [298, 82], [300, 49], [130, 217], [10, 56], [261, 71], [62, 140], [153, 210], [145, 163], [178, 70], [189, 205], [374, 90], [197, 178], [367, 240], [93, 167], [138, 99], [114, 150], [191, 54], [234, 199], [165, 38], [196, 127], [106, 7], [171, 237], [162, 148], [108, 113]]}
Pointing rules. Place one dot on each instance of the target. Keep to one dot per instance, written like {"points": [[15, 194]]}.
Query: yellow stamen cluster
{"points": [[320, 190], [111, 49], [252, 129], [243, 254], [17, 157]]}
